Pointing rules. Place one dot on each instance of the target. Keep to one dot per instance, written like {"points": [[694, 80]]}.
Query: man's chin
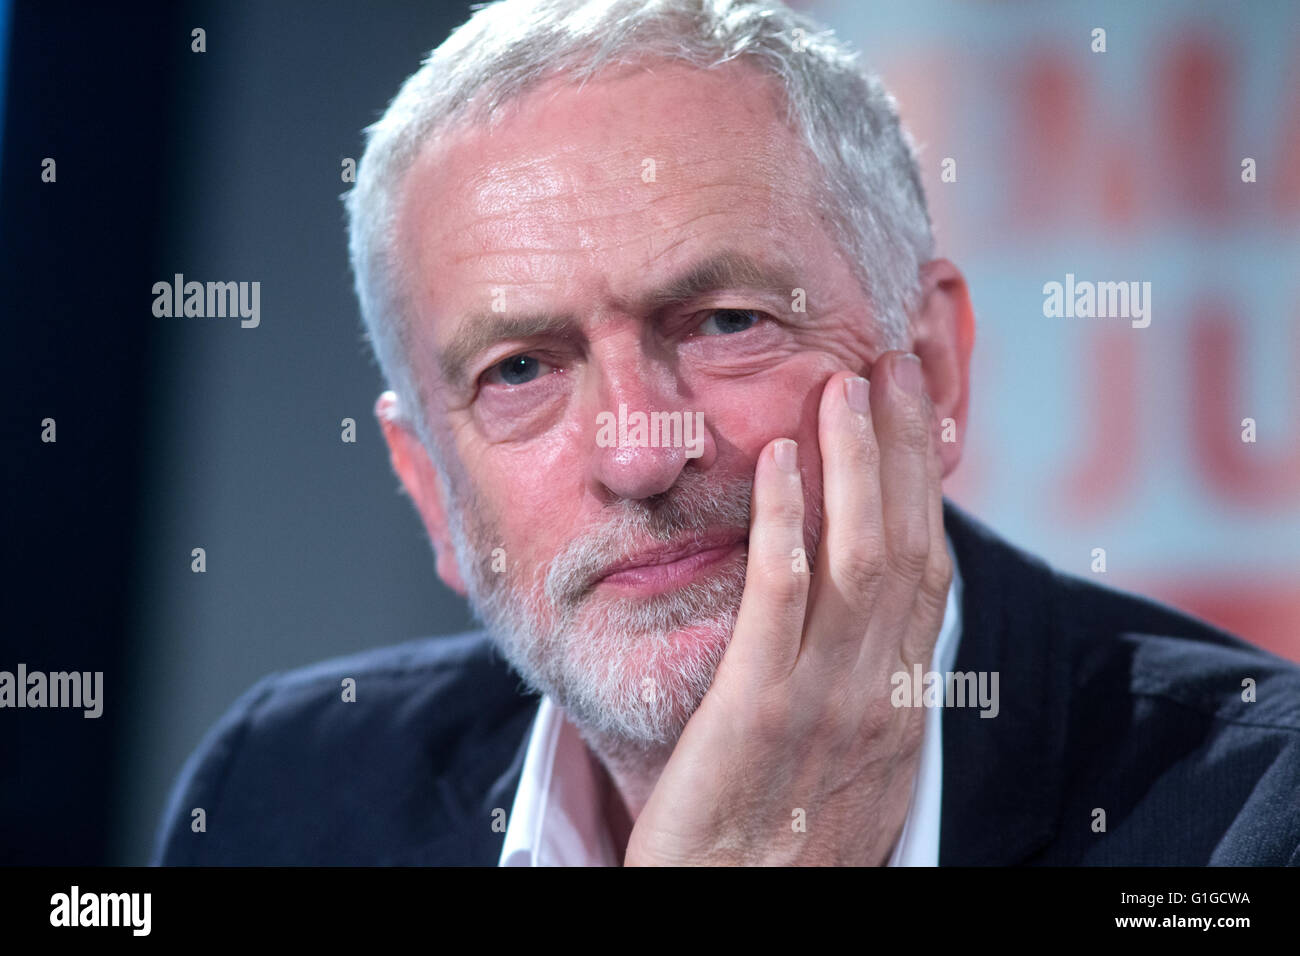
{"points": [[632, 671], [641, 688], [673, 657]]}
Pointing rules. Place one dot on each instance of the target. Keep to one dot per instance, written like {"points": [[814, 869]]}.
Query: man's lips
{"points": [[665, 566]]}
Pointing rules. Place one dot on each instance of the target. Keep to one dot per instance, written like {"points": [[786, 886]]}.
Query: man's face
{"points": [[547, 260]]}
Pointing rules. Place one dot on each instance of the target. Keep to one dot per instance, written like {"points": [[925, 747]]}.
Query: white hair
{"points": [[869, 184]]}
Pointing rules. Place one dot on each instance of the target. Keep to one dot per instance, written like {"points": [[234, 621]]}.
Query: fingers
{"points": [[882, 544], [850, 558], [903, 427], [932, 595], [882, 520], [909, 478], [769, 626], [938, 570]]}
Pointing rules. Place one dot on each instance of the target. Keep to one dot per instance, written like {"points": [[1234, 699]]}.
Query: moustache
{"points": [[693, 506]]}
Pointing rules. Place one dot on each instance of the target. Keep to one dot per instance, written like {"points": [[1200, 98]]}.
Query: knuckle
{"points": [[786, 514], [937, 578], [917, 646], [782, 587], [866, 451], [878, 714], [909, 550], [863, 568], [912, 432]]}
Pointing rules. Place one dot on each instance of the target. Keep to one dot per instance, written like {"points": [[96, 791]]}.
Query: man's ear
{"points": [[943, 331], [421, 480]]}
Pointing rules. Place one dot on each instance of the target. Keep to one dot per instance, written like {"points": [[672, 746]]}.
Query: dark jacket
{"points": [[1107, 701]]}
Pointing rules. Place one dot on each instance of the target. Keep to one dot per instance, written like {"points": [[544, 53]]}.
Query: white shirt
{"points": [[557, 820]]}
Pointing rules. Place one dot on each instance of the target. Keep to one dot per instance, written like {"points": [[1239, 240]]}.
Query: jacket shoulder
{"points": [[1133, 645], [378, 757], [1113, 641], [1192, 734], [1187, 736]]}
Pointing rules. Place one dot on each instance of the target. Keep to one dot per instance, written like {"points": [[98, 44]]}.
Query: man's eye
{"points": [[728, 321], [516, 370]]}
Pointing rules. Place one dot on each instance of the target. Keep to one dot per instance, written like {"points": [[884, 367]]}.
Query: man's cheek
{"points": [[743, 430]]}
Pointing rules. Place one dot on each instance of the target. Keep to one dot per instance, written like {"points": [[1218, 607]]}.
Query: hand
{"points": [[799, 717]]}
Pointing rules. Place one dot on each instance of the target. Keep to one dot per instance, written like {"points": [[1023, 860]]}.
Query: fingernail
{"points": [[856, 391], [907, 374], [786, 454]]}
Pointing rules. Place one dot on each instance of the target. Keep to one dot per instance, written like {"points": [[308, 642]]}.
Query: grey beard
{"points": [[613, 665]]}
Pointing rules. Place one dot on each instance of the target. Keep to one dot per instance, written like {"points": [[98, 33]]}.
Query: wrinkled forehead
{"points": [[617, 169]]}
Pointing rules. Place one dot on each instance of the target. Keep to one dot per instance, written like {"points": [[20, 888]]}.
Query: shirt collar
{"points": [[557, 818]]}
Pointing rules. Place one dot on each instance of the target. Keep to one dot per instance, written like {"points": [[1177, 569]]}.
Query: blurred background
{"points": [[1123, 165]]}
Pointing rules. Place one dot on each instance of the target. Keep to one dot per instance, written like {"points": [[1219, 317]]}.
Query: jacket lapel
{"points": [[482, 778]]}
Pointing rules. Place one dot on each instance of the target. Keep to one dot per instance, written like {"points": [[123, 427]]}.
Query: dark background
{"points": [[182, 433]]}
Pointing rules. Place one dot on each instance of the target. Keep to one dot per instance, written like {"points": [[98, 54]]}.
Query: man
{"points": [[671, 359]]}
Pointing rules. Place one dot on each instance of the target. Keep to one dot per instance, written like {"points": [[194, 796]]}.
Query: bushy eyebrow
{"points": [[724, 270], [481, 330]]}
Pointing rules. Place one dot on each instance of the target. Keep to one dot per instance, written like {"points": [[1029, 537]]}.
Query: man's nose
{"points": [[643, 433]]}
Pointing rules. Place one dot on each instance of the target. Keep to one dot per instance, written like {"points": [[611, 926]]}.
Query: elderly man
{"points": [[676, 379]]}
